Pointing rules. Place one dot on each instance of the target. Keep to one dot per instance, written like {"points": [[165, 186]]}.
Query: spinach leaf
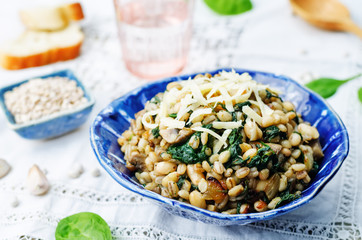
{"points": [[229, 7], [181, 181], [244, 121], [264, 155], [272, 132], [235, 151], [270, 95], [239, 106], [360, 94], [194, 187], [83, 226], [314, 169], [155, 100], [286, 197], [296, 119], [173, 115], [235, 139], [326, 87], [234, 118], [238, 207], [300, 158], [238, 161], [277, 167], [155, 132], [234, 135], [186, 154], [255, 162], [208, 126]]}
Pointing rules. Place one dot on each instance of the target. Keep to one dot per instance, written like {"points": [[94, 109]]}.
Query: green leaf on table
{"points": [[229, 7], [83, 226], [360, 94], [326, 87]]}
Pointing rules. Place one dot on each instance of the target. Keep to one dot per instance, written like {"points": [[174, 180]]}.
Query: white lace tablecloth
{"points": [[269, 38]]}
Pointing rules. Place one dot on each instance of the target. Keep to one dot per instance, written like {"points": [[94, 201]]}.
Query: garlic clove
{"points": [[37, 183], [96, 172], [75, 171], [4, 168], [14, 202]]}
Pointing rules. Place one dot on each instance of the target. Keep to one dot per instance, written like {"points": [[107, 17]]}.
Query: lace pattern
{"points": [[344, 225], [83, 194]]}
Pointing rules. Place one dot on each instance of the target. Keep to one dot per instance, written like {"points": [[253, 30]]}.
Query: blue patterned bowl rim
{"points": [[237, 218]]}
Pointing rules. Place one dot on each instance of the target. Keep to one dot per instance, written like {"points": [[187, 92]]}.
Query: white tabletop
{"points": [[268, 38]]}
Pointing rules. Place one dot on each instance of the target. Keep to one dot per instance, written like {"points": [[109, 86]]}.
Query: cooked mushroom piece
{"points": [[174, 135], [272, 187], [317, 149], [170, 135], [138, 160], [214, 191], [275, 147], [308, 156]]}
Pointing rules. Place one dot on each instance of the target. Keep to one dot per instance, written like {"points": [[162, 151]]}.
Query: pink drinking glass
{"points": [[155, 35]]}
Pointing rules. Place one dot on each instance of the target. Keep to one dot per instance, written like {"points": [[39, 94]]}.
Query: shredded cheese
{"points": [[172, 123], [222, 141], [147, 119], [195, 89], [199, 112], [252, 114], [227, 98], [226, 125], [185, 103], [212, 133], [163, 109], [197, 96], [265, 110], [215, 99]]}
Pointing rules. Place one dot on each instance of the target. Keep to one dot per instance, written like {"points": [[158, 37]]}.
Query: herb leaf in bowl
{"points": [[83, 226], [360, 94], [326, 87], [229, 7]]}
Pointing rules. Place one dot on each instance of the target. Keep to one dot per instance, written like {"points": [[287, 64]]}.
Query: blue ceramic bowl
{"points": [[115, 118], [53, 125]]}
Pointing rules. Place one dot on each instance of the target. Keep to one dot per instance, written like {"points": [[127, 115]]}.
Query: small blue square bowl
{"points": [[55, 124], [115, 118]]}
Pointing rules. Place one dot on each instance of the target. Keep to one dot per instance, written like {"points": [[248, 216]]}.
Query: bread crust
{"points": [[73, 11], [54, 55]]}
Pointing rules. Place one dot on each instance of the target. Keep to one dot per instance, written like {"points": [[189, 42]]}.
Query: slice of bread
{"points": [[34, 48], [51, 18]]}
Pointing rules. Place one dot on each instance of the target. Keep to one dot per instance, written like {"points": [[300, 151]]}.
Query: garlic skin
{"points": [[75, 171], [37, 183], [4, 168]]}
